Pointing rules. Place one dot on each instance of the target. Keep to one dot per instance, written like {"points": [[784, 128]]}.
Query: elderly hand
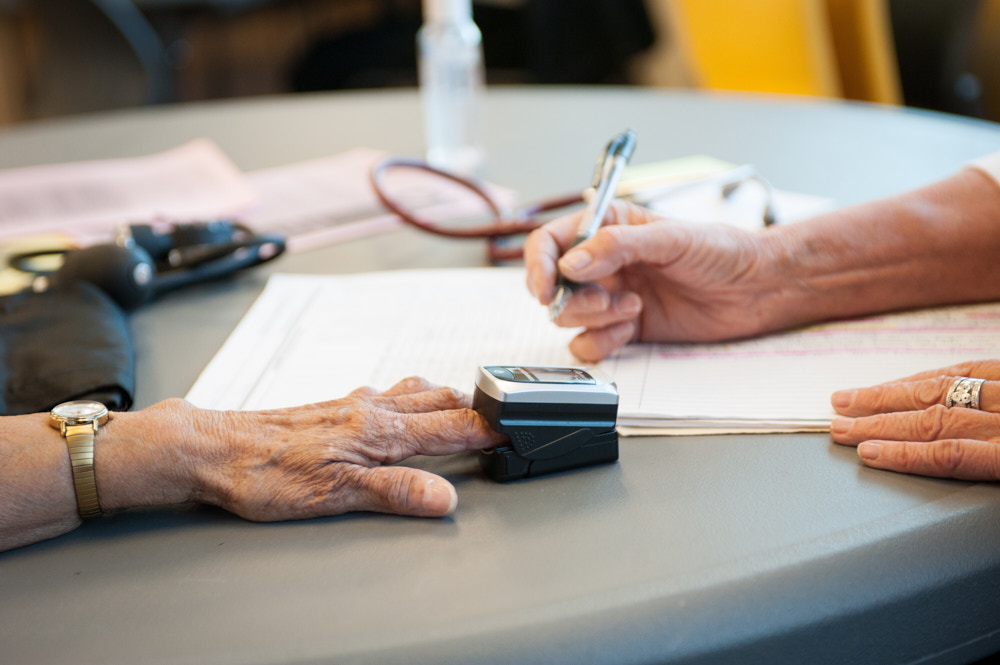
{"points": [[335, 457], [654, 280], [319, 459], [905, 426]]}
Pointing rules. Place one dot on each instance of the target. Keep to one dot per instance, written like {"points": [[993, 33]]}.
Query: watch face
{"points": [[80, 411]]}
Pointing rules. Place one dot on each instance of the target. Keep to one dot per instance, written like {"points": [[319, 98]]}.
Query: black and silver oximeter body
{"points": [[557, 418]]}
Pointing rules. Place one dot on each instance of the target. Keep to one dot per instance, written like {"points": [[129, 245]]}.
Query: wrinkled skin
{"points": [[335, 457], [905, 426], [294, 463], [650, 279]]}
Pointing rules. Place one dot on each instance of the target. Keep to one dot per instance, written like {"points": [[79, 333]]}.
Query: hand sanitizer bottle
{"points": [[451, 74]]}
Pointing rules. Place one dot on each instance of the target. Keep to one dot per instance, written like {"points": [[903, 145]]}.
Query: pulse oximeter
{"points": [[557, 418]]}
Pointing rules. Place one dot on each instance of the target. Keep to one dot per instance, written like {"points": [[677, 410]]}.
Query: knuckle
{"points": [[364, 390], [387, 437], [469, 424], [875, 398], [947, 455], [374, 432], [415, 384], [983, 368], [403, 385], [931, 422], [612, 238], [447, 396], [929, 393], [395, 490]]}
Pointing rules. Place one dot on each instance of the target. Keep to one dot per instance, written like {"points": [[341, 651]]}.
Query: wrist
{"points": [[149, 457]]}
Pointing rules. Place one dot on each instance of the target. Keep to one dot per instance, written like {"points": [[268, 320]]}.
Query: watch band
{"points": [[80, 441], [79, 422]]}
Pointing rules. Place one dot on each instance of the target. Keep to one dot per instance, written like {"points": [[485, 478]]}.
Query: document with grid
{"points": [[315, 338]]}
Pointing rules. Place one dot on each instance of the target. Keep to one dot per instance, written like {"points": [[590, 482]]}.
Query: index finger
{"points": [[441, 398], [546, 244], [433, 433]]}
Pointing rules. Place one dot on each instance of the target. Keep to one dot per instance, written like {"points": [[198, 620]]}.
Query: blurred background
{"points": [[63, 57]]}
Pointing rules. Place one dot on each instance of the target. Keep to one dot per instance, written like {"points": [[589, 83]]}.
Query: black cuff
{"points": [[70, 342]]}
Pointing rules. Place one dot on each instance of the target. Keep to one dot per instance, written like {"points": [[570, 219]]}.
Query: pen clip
{"points": [[620, 146]]}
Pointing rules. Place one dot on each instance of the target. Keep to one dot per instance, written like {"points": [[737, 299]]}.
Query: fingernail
{"points": [[531, 288], [841, 425], [843, 398], [595, 300], [576, 259], [440, 497], [629, 303], [869, 451]]}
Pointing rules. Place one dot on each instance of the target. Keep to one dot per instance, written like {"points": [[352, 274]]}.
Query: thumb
{"points": [[659, 242], [406, 491]]}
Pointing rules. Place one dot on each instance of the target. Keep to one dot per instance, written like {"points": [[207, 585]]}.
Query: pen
{"points": [[608, 173]]}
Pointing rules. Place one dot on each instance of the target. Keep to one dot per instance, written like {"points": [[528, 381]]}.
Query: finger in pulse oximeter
{"points": [[557, 418]]}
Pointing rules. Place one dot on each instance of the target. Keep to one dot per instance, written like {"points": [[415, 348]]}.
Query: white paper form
{"points": [[314, 338], [787, 379]]}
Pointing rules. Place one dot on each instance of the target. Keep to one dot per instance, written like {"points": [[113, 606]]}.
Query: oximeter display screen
{"points": [[520, 374]]}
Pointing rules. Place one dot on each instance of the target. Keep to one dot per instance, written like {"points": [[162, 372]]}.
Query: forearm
{"points": [[933, 246], [36, 487], [141, 458]]}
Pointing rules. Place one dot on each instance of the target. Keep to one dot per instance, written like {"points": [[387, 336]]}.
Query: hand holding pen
{"points": [[636, 276], [607, 175]]}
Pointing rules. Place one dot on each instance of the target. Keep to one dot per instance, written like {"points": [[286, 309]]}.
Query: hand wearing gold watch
{"points": [[294, 463]]}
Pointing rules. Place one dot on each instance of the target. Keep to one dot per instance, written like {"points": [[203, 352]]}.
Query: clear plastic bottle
{"points": [[452, 81]]}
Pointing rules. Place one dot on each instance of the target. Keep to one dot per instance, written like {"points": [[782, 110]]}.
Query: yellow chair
{"points": [[830, 48], [863, 45]]}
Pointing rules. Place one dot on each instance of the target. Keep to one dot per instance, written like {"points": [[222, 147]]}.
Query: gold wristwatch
{"points": [[78, 422]]}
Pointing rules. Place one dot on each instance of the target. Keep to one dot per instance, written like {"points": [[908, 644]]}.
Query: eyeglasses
{"points": [[485, 213]]}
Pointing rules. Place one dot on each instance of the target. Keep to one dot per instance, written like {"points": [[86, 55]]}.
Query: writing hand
{"points": [[654, 280], [904, 425]]}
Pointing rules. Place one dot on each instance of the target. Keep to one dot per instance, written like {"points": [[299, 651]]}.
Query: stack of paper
{"points": [[314, 338]]}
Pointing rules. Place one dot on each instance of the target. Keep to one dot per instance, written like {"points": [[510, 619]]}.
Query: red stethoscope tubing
{"points": [[503, 225]]}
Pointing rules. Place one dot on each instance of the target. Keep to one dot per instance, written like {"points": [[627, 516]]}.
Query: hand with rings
{"points": [[944, 422]]}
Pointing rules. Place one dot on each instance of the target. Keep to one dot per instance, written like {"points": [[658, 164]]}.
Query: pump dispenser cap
{"points": [[446, 11]]}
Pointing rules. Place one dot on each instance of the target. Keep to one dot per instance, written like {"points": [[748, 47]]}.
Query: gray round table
{"points": [[725, 549]]}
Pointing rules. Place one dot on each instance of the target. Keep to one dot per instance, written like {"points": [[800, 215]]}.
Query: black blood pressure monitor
{"points": [[556, 417]]}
